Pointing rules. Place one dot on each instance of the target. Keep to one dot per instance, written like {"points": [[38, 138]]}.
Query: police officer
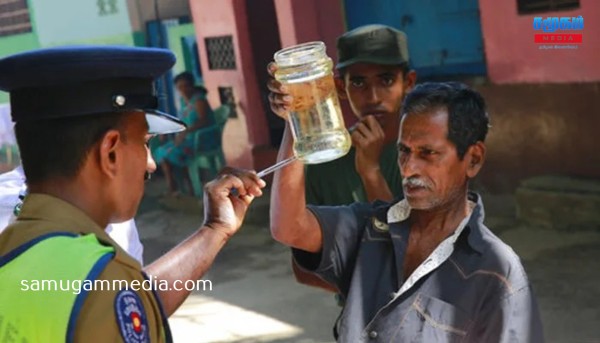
{"points": [[83, 117]]}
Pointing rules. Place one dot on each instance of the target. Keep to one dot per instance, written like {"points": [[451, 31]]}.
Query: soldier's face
{"points": [[377, 90]]}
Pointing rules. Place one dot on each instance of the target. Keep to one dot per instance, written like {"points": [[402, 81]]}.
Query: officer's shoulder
{"points": [[116, 308], [116, 269], [19, 233]]}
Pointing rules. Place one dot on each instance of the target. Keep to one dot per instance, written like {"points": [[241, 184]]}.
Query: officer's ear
{"points": [[108, 152]]}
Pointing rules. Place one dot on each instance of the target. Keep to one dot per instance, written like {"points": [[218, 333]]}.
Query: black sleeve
{"points": [[342, 228]]}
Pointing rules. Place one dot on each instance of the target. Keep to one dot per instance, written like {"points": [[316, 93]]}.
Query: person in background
{"points": [[374, 77], [196, 112]]}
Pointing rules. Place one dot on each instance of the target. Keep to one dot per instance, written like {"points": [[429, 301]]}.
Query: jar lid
{"points": [[300, 54]]}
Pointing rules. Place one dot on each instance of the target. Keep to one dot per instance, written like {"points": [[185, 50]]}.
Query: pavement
{"points": [[254, 297]]}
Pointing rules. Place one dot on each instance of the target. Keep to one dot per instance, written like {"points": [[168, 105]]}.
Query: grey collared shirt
{"points": [[480, 293]]}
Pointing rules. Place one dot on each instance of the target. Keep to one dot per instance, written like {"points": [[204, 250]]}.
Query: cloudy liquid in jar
{"points": [[315, 116]]}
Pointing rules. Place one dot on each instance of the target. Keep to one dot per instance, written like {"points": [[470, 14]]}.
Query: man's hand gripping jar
{"points": [[315, 117]]}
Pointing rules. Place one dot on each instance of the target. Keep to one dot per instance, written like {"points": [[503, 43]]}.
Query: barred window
{"points": [[221, 54], [540, 6], [14, 17]]}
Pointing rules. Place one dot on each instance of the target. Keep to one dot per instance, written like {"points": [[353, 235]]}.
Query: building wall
{"points": [[74, 22], [14, 44], [513, 57], [142, 11], [175, 34], [310, 20], [543, 103], [70, 22], [541, 130], [64, 21], [249, 130]]}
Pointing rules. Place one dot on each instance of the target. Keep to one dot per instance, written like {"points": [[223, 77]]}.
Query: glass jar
{"points": [[315, 116]]}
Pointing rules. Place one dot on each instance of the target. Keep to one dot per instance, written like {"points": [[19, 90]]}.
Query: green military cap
{"points": [[378, 44]]}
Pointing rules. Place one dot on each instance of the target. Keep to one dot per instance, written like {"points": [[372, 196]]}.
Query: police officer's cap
{"points": [[87, 80]]}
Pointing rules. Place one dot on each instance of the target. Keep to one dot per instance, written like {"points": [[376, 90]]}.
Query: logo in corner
{"points": [[558, 30]]}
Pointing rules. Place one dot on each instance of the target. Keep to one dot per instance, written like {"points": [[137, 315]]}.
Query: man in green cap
{"points": [[374, 77]]}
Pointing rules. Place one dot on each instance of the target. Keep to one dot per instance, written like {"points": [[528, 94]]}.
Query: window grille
{"points": [[14, 17], [220, 52]]}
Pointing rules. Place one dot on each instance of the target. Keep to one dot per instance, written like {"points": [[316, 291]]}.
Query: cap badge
{"points": [[119, 100]]}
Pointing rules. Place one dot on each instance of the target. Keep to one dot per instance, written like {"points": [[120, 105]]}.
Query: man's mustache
{"points": [[414, 181]]}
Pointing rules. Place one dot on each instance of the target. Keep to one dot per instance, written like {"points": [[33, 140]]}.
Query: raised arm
{"points": [[223, 216], [292, 223]]}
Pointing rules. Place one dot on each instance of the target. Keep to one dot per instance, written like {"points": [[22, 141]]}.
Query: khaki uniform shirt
{"points": [[97, 321]]}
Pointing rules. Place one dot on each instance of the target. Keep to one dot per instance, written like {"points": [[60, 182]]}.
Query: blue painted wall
{"points": [[444, 36]]}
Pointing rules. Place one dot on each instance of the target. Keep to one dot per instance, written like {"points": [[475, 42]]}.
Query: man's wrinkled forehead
{"points": [[424, 126]]}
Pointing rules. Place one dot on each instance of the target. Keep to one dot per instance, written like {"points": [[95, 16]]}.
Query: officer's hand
{"points": [[279, 98], [368, 139], [224, 211]]}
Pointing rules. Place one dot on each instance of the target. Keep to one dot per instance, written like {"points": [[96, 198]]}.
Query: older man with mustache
{"points": [[423, 268]]}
